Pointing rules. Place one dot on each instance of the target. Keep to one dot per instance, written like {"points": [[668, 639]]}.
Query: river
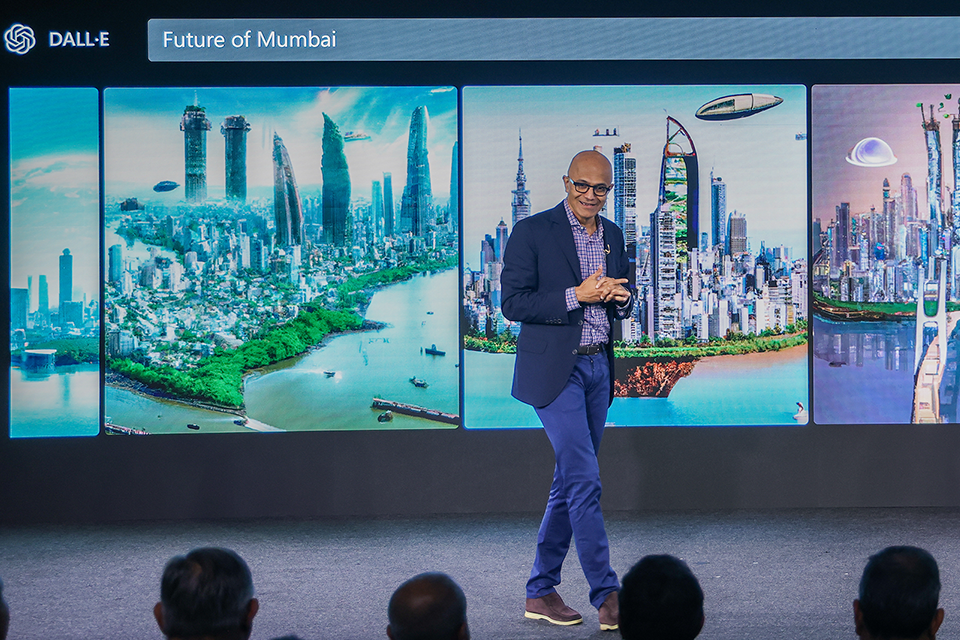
{"points": [[60, 404], [752, 389], [863, 372], [297, 394]]}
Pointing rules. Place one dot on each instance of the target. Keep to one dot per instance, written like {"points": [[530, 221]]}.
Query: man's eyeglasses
{"points": [[582, 187]]}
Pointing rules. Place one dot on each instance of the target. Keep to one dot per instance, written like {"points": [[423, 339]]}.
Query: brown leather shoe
{"points": [[610, 613], [551, 608]]}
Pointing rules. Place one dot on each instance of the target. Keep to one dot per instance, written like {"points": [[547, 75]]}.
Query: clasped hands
{"points": [[597, 288]]}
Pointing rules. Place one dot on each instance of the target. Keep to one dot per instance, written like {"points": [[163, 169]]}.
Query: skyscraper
{"points": [[455, 188], [195, 125], [841, 237], [287, 207], [674, 228], [234, 130], [19, 303], [931, 130], [416, 203], [908, 198], [336, 186], [388, 218], [115, 263], [376, 197], [501, 241], [43, 299], [625, 192], [520, 208], [66, 279], [737, 234], [718, 210]]}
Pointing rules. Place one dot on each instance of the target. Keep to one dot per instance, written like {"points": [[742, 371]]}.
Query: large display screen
{"points": [[299, 225]]}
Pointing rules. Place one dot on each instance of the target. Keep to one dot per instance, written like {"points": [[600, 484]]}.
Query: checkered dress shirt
{"points": [[590, 251]]}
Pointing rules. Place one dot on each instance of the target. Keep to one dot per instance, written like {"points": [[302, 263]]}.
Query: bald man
{"points": [[429, 606], [563, 278]]}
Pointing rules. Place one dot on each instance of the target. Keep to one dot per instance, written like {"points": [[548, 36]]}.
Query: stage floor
{"points": [[784, 574]]}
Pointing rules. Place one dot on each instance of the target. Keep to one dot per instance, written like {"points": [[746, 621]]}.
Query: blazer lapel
{"points": [[563, 235]]}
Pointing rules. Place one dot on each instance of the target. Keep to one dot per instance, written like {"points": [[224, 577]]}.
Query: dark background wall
{"points": [[417, 473]]}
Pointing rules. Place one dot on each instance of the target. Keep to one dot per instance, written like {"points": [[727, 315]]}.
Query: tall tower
{"points": [[287, 206], [66, 280], [625, 192], [195, 125], [417, 201], [521, 197], [842, 237], [234, 130], [376, 197], [43, 299], [718, 210], [455, 188], [336, 186], [931, 130], [908, 198], [674, 228], [737, 233], [889, 221], [388, 218], [500, 243], [955, 145], [115, 263]]}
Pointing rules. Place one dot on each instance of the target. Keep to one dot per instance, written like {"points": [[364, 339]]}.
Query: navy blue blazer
{"points": [[539, 264]]}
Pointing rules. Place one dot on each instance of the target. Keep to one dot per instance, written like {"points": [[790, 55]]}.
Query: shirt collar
{"points": [[574, 223]]}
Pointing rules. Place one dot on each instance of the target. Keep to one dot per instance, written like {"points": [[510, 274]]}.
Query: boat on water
{"points": [[386, 416], [192, 426], [433, 351], [417, 382], [329, 374]]}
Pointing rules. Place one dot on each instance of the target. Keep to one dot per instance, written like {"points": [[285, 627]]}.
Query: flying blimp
{"points": [[740, 105], [166, 185]]}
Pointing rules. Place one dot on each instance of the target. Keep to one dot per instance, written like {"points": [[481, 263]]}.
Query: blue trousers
{"points": [[574, 424]]}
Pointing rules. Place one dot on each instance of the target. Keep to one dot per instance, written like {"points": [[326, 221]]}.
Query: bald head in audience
{"points": [[429, 606], [899, 596], [207, 594]]}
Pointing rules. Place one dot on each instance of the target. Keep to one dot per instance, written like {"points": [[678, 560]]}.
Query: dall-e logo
{"points": [[19, 39]]}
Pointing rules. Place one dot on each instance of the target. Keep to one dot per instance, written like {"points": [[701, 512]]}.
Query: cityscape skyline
{"points": [[894, 118], [140, 118], [557, 122], [54, 194]]}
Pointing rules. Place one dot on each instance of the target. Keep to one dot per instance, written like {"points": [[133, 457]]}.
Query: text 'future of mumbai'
{"points": [[261, 40]]}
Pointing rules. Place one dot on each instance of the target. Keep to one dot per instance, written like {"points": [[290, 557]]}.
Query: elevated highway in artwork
{"points": [[932, 320]]}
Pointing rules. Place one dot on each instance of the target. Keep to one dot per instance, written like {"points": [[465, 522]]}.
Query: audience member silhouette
{"points": [[899, 594], [206, 594], [429, 606], [660, 599], [4, 614]]}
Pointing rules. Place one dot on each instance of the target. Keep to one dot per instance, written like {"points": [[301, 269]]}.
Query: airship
{"points": [[740, 105], [166, 185]]}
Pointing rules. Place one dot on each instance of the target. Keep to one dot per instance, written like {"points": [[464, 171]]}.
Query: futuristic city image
{"points": [[280, 259], [886, 245], [710, 193], [54, 262]]}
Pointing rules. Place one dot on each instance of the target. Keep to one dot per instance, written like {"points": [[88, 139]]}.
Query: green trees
{"points": [[218, 378]]}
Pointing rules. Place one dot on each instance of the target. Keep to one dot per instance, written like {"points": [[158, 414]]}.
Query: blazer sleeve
{"points": [[530, 290], [618, 267]]}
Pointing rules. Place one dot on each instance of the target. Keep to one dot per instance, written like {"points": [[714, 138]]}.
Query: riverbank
{"points": [[839, 311]]}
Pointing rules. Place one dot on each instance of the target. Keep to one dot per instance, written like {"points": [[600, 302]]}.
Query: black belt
{"points": [[590, 349]]}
